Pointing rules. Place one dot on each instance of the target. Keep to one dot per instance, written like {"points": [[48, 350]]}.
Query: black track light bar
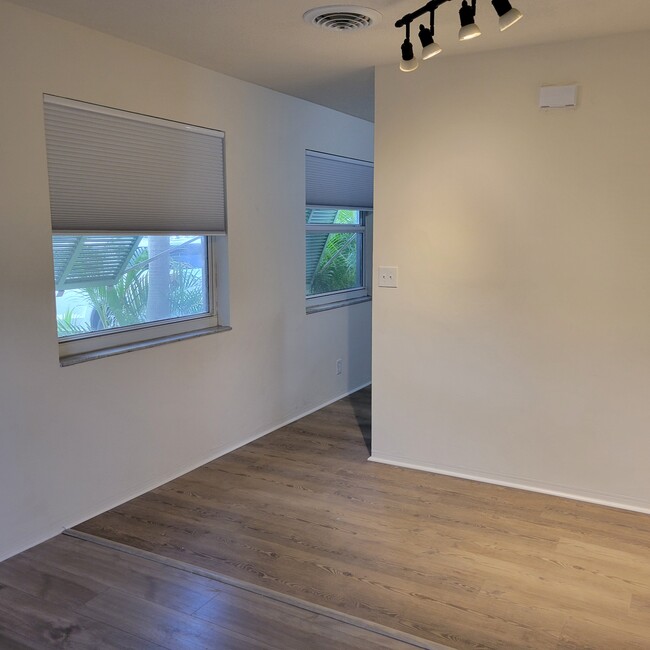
{"points": [[429, 6]]}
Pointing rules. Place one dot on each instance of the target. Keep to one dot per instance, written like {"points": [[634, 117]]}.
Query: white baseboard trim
{"points": [[610, 501], [213, 455], [73, 519], [31, 541]]}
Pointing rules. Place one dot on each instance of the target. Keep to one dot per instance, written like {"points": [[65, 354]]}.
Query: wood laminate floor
{"points": [[73, 594], [466, 564]]}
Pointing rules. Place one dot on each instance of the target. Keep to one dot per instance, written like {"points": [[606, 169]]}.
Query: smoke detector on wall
{"points": [[342, 17]]}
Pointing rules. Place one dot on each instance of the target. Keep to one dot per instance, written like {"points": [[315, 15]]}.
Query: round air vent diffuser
{"points": [[342, 17]]}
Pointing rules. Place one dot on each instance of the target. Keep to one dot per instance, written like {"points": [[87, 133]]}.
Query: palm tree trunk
{"points": [[158, 304]]}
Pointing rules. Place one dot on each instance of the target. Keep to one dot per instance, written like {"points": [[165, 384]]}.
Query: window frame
{"points": [[97, 344], [98, 156], [345, 297]]}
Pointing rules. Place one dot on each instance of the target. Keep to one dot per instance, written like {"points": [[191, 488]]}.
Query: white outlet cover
{"points": [[387, 276]]}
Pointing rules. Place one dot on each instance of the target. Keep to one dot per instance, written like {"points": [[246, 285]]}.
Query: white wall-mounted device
{"points": [[558, 96], [387, 276]]}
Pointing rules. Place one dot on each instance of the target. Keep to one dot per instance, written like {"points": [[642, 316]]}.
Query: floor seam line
{"points": [[354, 621]]}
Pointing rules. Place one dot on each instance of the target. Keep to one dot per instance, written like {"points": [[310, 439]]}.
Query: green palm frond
{"points": [[125, 302], [66, 325], [337, 268]]}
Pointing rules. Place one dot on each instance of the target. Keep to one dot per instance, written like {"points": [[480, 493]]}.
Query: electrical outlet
{"points": [[339, 366], [387, 276]]}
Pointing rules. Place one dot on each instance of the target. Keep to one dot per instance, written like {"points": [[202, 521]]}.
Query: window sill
{"points": [[73, 359], [315, 309]]}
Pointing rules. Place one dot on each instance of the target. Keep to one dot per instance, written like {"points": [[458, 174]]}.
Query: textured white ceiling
{"points": [[266, 41]]}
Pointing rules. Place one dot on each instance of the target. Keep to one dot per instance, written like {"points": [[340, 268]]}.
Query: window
{"points": [[338, 231], [112, 282], [336, 255], [138, 219]]}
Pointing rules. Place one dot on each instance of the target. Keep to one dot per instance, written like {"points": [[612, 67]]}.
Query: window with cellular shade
{"points": [[337, 182], [116, 172]]}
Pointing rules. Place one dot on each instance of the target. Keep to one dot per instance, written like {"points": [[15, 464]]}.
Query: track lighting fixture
{"points": [[508, 16], [468, 28], [409, 62], [429, 47]]}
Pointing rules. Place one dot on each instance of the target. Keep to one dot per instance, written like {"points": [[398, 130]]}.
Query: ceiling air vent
{"points": [[342, 17]]}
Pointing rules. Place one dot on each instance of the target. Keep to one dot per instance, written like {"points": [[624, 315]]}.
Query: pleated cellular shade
{"points": [[336, 182], [116, 172]]}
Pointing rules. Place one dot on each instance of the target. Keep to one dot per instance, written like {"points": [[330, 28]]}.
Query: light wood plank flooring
{"points": [[466, 564], [69, 593], [302, 512]]}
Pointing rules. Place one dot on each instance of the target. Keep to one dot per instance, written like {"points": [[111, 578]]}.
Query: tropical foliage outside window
{"points": [[111, 282], [335, 251]]}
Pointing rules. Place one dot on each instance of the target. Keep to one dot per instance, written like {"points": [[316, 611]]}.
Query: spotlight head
{"points": [[508, 16], [468, 32], [426, 37], [429, 47], [409, 63], [430, 51], [468, 28]]}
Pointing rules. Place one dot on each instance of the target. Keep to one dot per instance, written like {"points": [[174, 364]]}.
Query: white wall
{"points": [[517, 346], [75, 441]]}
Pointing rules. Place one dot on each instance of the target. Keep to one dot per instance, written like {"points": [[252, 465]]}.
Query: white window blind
{"points": [[116, 172], [336, 182]]}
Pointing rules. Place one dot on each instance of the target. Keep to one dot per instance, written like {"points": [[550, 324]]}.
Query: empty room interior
{"points": [[325, 326]]}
